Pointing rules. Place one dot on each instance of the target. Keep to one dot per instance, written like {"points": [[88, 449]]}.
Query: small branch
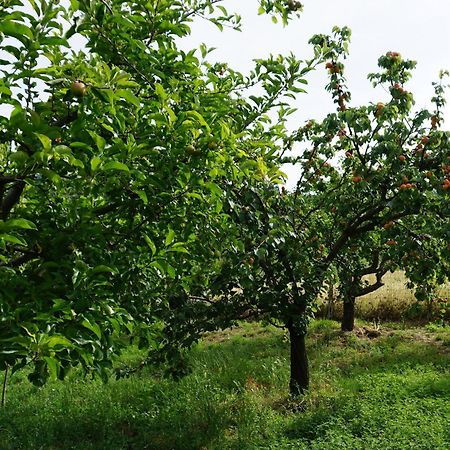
{"points": [[5, 379], [11, 198]]}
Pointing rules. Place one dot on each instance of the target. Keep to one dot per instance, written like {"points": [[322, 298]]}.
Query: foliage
{"points": [[361, 168], [113, 180], [235, 398]]}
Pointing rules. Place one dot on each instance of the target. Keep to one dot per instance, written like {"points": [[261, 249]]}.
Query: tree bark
{"points": [[299, 381], [11, 198], [348, 318], [330, 302]]}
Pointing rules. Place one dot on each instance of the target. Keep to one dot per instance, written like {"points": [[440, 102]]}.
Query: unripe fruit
{"points": [[191, 150], [78, 89]]}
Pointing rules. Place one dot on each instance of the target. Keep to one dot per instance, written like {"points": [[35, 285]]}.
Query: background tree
{"points": [[352, 182]]}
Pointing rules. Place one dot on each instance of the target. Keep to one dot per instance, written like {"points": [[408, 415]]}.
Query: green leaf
{"points": [[54, 40], [115, 165], [178, 247], [99, 141], [58, 342], [128, 96], [94, 327], [16, 30], [12, 239], [45, 141], [52, 176], [143, 196], [199, 118], [160, 92], [17, 223], [95, 161], [170, 237], [103, 269], [53, 366], [150, 244]]}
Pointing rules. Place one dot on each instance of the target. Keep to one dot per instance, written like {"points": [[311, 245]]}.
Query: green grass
{"points": [[392, 392]]}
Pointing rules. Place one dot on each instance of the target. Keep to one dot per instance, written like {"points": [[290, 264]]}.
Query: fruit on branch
{"points": [[294, 5], [78, 89], [393, 55], [379, 109], [389, 224], [406, 186], [191, 150]]}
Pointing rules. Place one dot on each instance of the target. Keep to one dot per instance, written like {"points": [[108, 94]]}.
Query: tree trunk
{"points": [[348, 318], [299, 381], [330, 303], [5, 380]]}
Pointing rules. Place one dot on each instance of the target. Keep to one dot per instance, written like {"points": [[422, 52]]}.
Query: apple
{"points": [[379, 109], [191, 150], [78, 89], [402, 158]]}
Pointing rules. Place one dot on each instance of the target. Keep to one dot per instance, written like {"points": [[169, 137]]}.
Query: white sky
{"points": [[419, 30]]}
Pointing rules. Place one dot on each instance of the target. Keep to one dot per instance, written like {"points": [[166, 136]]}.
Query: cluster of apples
{"points": [[393, 55], [332, 67], [397, 89]]}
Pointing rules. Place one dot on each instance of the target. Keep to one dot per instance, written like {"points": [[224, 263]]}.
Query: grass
{"points": [[394, 301], [392, 392]]}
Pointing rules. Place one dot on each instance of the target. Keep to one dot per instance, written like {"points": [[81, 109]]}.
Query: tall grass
{"points": [[392, 392], [394, 301]]}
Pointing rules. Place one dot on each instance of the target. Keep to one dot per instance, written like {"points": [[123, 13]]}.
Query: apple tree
{"points": [[114, 165], [361, 168]]}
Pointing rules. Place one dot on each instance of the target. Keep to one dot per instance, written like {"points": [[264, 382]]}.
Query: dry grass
{"points": [[394, 301]]}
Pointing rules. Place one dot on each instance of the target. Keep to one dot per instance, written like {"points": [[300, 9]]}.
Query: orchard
{"points": [[142, 197]]}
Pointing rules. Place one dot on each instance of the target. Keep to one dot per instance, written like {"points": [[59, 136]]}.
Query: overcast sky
{"points": [[418, 29]]}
